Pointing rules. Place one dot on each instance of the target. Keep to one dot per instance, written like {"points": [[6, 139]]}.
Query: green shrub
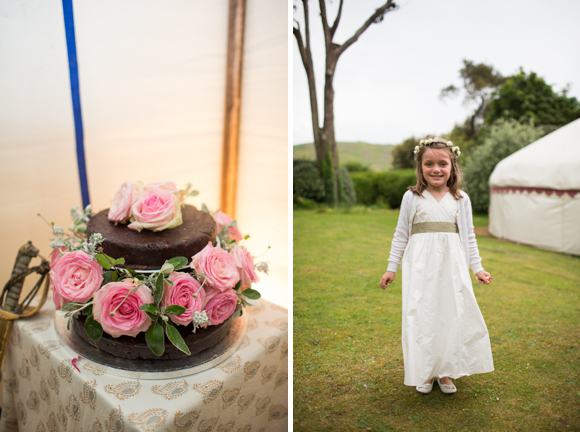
{"points": [[309, 185], [386, 187], [356, 166], [365, 186], [347, 191], [504, 138], [307, 181]]}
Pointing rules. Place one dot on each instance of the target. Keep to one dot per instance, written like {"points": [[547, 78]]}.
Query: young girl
{"points": [[444, 335]]}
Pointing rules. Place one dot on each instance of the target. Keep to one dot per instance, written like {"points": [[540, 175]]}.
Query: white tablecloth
{"points": [[247, 392]]}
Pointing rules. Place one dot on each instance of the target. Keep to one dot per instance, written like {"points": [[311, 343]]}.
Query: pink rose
{"points": [[245, 265], [168, 186], [124, 199], [157, 209], [56, 254], [217, 266], [75, 278], [127, 319], [221, 305], [187, 292], [222, 220]]}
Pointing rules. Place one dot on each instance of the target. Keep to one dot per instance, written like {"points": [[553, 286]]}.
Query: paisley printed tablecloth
{"points": [[247, 392]]}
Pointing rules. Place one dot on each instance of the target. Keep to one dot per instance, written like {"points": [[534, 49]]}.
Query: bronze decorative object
{"points": [[11, 308]]}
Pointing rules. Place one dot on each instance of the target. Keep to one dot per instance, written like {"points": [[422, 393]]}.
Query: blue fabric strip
{"points": [[69, 26]]}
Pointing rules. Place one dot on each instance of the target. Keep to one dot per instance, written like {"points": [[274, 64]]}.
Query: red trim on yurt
{"points": [[521, 189]]}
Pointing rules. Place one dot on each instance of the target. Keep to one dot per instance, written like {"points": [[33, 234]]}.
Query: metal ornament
{"points": [[11, 308]]}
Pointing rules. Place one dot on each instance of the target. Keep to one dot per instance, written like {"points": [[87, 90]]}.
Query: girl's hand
{"points": [[483, 277], [387, 278]]}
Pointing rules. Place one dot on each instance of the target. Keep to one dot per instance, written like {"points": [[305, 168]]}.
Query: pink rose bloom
{"points": [[182, 293], [127, 320], [56, 254], [222, 220], [168, 186], [157, 209], [220, 306], [217, 266], [126, 196], [75, 278], [245, 265]]}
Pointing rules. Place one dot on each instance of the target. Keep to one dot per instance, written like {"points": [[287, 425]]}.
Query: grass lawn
{"points": [[348, 365]]}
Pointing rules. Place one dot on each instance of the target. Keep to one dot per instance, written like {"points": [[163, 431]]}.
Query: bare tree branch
{"points": [[379, 12], [337, 19], [325, 28]]}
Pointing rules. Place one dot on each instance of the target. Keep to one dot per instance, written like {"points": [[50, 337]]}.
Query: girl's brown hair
{"points": [[454, 181]]}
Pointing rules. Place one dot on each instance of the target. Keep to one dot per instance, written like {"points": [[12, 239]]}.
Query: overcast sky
{"points": [[387, 84]]}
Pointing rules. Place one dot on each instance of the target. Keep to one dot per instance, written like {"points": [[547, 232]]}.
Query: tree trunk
{"points": [[324, 140], [331, 173]]}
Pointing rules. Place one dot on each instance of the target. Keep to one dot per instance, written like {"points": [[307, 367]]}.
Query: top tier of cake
{"points": [[148, 250]]}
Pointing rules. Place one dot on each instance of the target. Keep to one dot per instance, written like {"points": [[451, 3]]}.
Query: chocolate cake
{"points": [[148, 250], [133, 348]]}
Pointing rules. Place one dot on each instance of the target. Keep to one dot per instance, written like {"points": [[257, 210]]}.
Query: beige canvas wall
{"points": [[152, 90]]}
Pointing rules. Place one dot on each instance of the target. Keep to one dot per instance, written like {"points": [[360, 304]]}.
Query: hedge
{"points": [[387, 187], [308, 184]]}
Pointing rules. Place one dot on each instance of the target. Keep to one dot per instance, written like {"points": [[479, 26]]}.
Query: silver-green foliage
{"points": [[505, 137]]}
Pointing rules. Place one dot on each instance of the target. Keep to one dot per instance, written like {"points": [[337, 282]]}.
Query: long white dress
{"points": [[443, 331]]}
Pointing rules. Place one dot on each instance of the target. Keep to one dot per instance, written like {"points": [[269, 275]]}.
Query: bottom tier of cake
{"points": [[136, 348]]}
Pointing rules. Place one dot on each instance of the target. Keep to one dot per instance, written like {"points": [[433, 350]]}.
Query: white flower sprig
{"points": [[430, 141]]}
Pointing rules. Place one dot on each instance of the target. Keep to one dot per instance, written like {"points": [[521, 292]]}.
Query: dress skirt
{"points": [[443, 331]]}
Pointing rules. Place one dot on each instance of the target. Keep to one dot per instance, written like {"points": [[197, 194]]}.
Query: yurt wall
{"points": [[152, 88]]}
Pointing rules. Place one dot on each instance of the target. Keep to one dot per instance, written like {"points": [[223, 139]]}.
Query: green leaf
{"points": [[69, 306], [87, 311], [238, 285], [151, 316], [119, 261], [151, 308], [155, 338], [252, 294], [93, 328], [107, 277], [175, 310], [68, 322], [105, 260], [158, 289], [176, 339], [178, 262], [114, 276], [130, 270]]}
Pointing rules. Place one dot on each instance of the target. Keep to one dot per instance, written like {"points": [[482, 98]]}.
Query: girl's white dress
{"points": [[443, 330]]}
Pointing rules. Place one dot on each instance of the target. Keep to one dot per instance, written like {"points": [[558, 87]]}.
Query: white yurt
{"points": [[535, 193]]}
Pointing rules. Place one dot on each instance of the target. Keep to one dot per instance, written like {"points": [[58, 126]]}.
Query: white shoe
{"points": [[425, 388], [447, 388]]}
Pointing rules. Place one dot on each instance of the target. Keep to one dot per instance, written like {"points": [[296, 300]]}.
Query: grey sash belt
{"points": [[427, 227]]}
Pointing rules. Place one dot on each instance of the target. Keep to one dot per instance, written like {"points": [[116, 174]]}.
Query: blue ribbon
{"points": [[69, 26]]}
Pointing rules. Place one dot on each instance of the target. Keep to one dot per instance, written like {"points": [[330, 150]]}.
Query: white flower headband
{"points": [[429, 141]]}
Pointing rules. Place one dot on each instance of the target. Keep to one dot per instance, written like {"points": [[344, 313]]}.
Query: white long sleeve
{"points": [[402, 232], [473, 251]]}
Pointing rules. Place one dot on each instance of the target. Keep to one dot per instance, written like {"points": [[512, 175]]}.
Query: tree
{"points": [[403, 156], [324, 139], [505, 137], [479, 82], [526, 97]]}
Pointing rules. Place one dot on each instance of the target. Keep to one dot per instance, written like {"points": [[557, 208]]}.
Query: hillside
{"points": [[376, 156]]}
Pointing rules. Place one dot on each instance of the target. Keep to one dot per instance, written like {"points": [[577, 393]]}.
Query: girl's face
{"points": [[436, 166]]}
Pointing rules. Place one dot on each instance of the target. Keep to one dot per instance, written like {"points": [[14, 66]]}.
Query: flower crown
{"points": [[429, 141]]}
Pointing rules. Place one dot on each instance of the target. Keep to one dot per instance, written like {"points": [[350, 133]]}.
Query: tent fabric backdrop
{"points": [[152, 90], [535, 193]]}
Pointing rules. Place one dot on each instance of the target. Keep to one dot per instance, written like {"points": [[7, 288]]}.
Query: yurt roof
{"points": [[552, 162]]}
